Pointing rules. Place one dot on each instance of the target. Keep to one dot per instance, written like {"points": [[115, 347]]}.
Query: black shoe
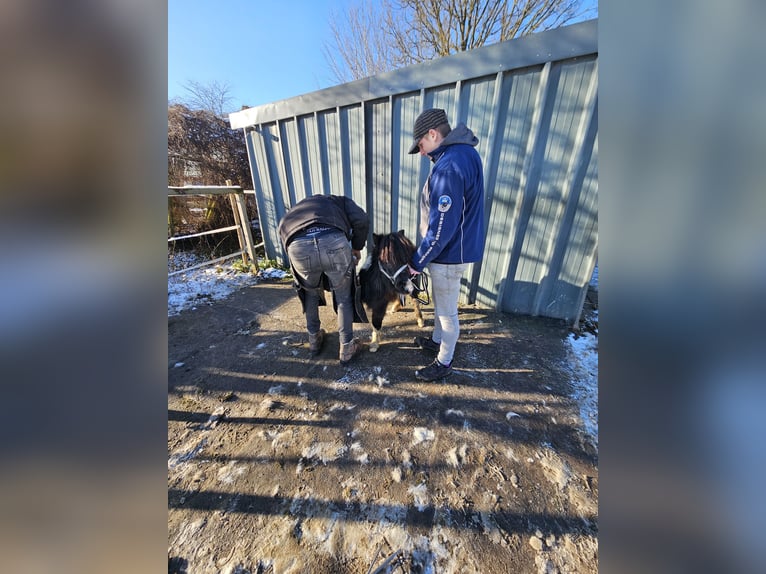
{"points": [[427, 344], [433, 371]]}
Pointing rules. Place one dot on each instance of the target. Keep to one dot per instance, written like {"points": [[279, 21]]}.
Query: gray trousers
{"points": [[329, 254], [445, 286]]}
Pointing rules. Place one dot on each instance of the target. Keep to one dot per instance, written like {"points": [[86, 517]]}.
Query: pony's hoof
{"points": [[421, 323], [373, 347]]}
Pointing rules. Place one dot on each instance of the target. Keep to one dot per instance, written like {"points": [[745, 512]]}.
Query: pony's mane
{"points": [[394, 250]]}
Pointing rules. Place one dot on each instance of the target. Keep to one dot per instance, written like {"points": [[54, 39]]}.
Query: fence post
{"points": [[249, 247], [239, 208]]}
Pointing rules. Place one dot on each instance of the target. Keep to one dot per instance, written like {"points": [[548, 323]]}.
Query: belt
{"points": [[314, 232]]}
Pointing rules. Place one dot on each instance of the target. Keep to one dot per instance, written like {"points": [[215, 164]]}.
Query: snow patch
{"points": [[272, 273], [421, 434], [203, 285], [456, 456], [188, 452], [583, 367], [324, 451], [229, 473], [420, 495]]}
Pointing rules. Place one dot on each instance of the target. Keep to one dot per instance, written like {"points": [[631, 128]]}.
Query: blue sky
{"points": [[263, 50]]}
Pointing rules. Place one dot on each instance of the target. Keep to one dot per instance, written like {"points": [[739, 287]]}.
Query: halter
{"points": [[419, 283], [393, 277]]}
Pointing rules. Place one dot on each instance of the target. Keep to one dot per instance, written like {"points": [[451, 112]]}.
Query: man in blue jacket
{"points": [[452, 226]]}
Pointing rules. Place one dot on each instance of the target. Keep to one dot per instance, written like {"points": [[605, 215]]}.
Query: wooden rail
{"points": [[239, 208]]}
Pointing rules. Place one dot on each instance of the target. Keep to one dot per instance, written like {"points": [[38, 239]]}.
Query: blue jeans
{"points": [[329, 254]]}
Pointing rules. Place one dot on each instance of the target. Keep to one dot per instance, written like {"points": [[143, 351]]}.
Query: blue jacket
{"points": [[452, 203]]}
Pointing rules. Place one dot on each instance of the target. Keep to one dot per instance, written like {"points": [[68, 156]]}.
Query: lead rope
{"points": [[420, 282]]}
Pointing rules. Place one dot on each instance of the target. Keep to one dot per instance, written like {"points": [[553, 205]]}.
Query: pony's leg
{"points": [[377, 322], [418, 313], [374, 341]]}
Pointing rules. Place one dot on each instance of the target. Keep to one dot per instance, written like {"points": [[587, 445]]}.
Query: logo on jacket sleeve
{"points": [[445, 202]]}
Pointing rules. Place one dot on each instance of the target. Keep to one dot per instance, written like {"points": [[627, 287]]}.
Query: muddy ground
{"points": [[285, 464]]}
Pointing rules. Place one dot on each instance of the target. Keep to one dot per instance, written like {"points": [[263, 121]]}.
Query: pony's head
{"points": [[393, 253]]}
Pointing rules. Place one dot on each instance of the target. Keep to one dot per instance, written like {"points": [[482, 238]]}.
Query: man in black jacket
{"points": [[323, 235]]}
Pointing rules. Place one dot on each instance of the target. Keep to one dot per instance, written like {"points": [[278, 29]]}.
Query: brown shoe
{"points": [[349, 350], [316, 341]]}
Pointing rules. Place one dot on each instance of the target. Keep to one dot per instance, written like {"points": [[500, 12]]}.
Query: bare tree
{"points": [[206, 141], [212, 97], [376, 37], [362, 46]]}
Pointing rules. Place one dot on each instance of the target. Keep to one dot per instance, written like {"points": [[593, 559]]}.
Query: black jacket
{"points": [[326, 211]]}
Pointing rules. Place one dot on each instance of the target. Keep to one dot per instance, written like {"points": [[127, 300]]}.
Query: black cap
{"points": [[428, 120]]}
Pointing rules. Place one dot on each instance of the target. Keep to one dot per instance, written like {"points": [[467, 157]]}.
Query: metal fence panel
{"points": [[533, 104]]}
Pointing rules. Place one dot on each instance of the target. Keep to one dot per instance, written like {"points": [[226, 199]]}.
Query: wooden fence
{"points": [[238, 204]]}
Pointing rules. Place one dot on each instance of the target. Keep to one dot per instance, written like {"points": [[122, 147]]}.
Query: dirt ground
{"points": [[281, 463]]}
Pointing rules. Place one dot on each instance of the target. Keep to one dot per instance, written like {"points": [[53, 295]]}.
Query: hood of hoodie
{"points": [[461, 134]]}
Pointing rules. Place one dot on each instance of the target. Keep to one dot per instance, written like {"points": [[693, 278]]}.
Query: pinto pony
{"points": [[385, 279]]}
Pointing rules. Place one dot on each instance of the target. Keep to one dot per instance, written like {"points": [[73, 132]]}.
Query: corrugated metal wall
{"points": [[533, 104]]}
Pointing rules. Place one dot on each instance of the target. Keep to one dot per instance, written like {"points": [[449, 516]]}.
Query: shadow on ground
{"points": [[280, 461]]}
